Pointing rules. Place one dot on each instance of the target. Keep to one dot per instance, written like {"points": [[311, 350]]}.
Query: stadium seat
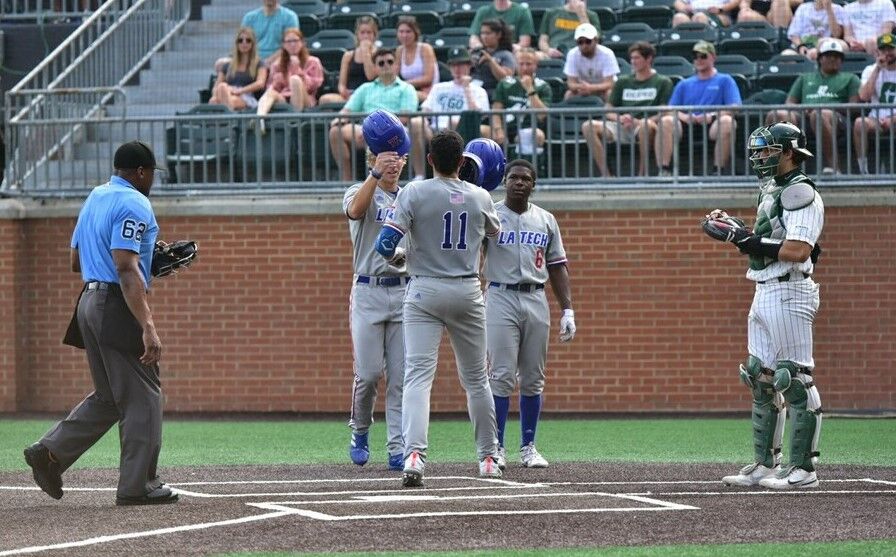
{"points": [[766, 97], [690, 31], [656, 13], [558, 88], [329, 45], [316, 163], [754, 48], [782, 70], [538, 8], [428, 13], [387, 38], [271, 156], [677, 47], [605, 16], [625, 66], [752, 30], [344, 15], [463, 12], [856, 62], [673, 66], [200, 150], [564, 137], [620, 37], [551, 67], [448, 38], [312, 14], [615, 5]]}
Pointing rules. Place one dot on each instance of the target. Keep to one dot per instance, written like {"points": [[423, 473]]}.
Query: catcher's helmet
{"points": [[483, 163], [778, 138], [383, 131]]}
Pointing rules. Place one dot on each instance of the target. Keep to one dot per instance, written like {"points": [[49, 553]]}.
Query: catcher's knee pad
{"points": [[765, 421], [785, 372], [805, 421], [750, 372]]}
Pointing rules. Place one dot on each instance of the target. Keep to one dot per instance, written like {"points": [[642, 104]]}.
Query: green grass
{"points": [[196, 443], [878, 548]]}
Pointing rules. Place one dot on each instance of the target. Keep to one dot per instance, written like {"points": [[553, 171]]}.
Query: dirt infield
{"points": [[344, 508]]}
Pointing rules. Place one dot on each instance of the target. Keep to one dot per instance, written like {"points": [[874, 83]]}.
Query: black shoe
{"points": [[47, 474], [162, 495]]}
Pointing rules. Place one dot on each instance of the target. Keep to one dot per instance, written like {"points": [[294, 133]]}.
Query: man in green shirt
{"points": [[828, 85], [519, 94], [558, 27], [518, 19], [644, 87]]}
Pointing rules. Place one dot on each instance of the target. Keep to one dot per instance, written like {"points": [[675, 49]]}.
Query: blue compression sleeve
{"points": [[530, 408], [502, 408], [387, 241]]}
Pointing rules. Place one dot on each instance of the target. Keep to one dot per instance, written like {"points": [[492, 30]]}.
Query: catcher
{"points": [[782, 250]]}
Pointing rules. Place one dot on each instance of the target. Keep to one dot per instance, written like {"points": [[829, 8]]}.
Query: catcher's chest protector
{"points": [[768, 216]]}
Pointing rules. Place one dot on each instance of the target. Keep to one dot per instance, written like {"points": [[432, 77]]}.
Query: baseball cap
{"points": [[458, 55], [586, 31], [830, 45], [704, 47], [135, 154], [887, 40]]}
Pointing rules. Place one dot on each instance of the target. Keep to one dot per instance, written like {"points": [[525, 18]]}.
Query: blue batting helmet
{"points": [[483, 164], [383, 131]]}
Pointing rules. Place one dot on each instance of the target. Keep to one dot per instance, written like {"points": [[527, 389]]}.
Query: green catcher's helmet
{"points": [[778, 138]]}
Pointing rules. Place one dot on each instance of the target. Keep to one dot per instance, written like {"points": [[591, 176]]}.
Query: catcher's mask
{"points": [[767, 143], [483, 164], [383, 131]]}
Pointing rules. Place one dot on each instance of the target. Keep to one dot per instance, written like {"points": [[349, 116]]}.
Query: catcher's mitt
{"points": [[168, 258], [725, 229]]}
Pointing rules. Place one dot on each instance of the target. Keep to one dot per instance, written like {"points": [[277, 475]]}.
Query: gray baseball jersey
{"points": [[376, 315], [518, 321], [445, 221]]}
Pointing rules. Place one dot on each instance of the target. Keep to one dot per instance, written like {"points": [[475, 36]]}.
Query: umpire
{"points": [[112, 248]]}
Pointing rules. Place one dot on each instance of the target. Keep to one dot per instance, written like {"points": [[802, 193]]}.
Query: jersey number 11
{"points": [[447, 243]]}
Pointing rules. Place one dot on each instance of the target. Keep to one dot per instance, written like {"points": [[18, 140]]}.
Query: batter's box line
{"points": [[345, 480], [707, 482]]}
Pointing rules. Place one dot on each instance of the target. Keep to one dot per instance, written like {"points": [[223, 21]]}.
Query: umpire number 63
{"points": [[131, 229]]}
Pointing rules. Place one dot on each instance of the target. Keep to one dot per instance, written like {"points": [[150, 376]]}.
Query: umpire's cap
{"points": [[383, 131], [483, 164], [135, 154]]}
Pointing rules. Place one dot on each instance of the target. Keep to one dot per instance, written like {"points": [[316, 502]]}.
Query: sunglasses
{"points": [[244, 40], [700, 56], [584, 41], [383, 63]]}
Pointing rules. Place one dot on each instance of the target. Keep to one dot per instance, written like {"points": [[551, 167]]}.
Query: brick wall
{"points": [[261, 322]]}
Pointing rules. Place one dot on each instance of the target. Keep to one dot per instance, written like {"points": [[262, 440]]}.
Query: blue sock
{"points": [[502, 408], [530, 408]]}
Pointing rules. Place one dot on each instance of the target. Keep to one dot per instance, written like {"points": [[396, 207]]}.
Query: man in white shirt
{"points": [[879, 87], [814, 21], [591, 68], [868, 19], [457, 95]]}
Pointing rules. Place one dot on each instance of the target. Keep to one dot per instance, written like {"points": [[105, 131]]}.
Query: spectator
{"points": [[867, 19], [386, 91], [295, 76], [517, 18], [494, 60], [644, 87], [519, 95], [241, 81], [417, 61], [707, 87], [269, 22], [557, 33], [879, 87], [778, 13], [455, 96], [717, 13], [814, 21], [825, 86], [357, 67], [591, 68]]}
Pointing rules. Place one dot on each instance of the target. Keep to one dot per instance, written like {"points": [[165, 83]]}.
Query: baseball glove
{"points": [[168, 258], [725, 229]]}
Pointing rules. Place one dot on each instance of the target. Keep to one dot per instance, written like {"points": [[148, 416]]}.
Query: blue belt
{"points": [[517, 287], [382, 281], [787, 277]]}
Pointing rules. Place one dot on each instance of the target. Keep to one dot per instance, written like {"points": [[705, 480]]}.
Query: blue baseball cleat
{"points": [[358, 450], [396, 462]]}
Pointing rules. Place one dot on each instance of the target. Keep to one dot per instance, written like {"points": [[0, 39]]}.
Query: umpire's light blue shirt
{"points": [[115, 216]]}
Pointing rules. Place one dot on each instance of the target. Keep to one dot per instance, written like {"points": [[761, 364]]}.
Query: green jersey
{"points": [[817, 88], [511, 94], [517, 18], [653, 91], [560, 25]]}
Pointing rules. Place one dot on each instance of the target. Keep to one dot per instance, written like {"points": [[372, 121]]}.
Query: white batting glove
{"points": [[567, 326], [399, 260]]}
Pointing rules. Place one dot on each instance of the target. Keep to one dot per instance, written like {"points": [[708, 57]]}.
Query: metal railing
{"points": [[44, 11], [223, 152], [46, 109]]}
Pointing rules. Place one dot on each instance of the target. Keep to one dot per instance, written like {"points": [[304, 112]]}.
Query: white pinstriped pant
{"points": [[779, 326]]}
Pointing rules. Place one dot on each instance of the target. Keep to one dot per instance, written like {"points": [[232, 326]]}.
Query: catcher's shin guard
{"points": [[805, 416], [768, 424]]}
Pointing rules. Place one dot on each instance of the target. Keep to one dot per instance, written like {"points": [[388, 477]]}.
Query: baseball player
{"points": [[782, 249], [445, 220], [112, 248], [376, 309], [518, 262]]}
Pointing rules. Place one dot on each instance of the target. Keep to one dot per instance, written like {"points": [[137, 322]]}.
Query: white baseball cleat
{"points": [[412, 475], [791, 478], [488, 468], [751, 475], [501, 458], [531, 458]]}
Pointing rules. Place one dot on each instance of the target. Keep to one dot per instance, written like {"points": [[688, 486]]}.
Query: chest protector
{"points": [[770, 209]]}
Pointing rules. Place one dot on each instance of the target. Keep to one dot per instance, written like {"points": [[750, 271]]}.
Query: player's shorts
{"points": [[617, 132]]}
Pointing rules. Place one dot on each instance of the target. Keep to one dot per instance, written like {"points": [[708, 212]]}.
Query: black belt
{"points": [[382, 281], [98, 285], [517, 287], [785, 278]]}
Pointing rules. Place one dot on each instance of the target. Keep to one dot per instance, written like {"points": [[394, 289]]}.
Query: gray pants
{"points": [[125, 391], [432, 304], [518, 329], [378, 341]]}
